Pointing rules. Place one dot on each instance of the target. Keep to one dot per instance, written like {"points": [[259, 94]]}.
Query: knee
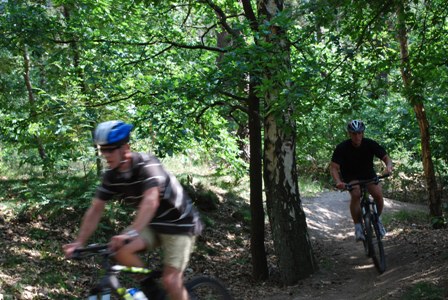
{"points": [[377, 195], [121, 255], [355, 195], [172, 281]]}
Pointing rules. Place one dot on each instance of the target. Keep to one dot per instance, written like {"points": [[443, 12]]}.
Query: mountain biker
{"points": [[353, 160], [164, 216]]}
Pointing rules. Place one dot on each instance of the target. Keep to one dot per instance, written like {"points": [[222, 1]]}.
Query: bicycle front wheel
{"points": [[370, 250], [377, 243], [207, 288]]}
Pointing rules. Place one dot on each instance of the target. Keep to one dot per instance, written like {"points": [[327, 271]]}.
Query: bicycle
{"points": [[109, 286], [373, 244]]}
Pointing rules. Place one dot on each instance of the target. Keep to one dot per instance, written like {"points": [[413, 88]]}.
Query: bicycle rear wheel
{"points": [[207, 288]]}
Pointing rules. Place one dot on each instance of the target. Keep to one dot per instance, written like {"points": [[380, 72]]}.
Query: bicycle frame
{"points": [[109, 282]]}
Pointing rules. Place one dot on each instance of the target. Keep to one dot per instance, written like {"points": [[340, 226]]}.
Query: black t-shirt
{"points": [[176, 213], [357, 162]]}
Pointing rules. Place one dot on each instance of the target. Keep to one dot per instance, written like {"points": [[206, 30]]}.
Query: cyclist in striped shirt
{"points": [[165, 214]]}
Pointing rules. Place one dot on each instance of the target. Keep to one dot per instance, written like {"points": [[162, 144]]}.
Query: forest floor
{"points": [[32, 264]]}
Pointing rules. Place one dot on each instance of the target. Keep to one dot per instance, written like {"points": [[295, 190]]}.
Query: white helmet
{"points": [[356, 126]]}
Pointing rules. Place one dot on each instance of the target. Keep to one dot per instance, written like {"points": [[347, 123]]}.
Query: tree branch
{"points": [[250, 15], [222, 18]]}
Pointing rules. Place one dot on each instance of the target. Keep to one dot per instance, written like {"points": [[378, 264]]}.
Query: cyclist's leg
{"points": [[128, 254], [355, 206], [355, 210], [176, 252], [173, 283], [377, 193]]}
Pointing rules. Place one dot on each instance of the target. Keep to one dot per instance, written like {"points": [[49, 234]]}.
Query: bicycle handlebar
{"points": [[376, 180], [91, 250]]}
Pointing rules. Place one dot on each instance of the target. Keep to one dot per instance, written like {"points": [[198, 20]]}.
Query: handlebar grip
{"points": [[90, 249]]}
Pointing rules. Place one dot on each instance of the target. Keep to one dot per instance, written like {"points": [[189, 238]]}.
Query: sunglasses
{"points": [[109, 149]]}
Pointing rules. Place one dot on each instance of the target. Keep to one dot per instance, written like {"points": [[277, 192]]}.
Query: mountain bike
{"points": [[109, 286], [373, 244]]}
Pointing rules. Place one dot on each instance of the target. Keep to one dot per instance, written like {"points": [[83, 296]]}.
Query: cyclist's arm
{"points": [[388, 162], [147, 209], [90, 220], [88, 225], [335, 172]]}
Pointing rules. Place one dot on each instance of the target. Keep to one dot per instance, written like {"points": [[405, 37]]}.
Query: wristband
{"points": [[132, 233]]}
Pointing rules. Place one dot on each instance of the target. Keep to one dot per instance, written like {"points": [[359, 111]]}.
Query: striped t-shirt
{"points": [[175, 215]]}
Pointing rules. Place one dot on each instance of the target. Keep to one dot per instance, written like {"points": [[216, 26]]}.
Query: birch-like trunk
{"points": [[287, 218]]}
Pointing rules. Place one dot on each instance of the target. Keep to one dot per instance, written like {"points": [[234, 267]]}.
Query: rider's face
{"points": [[112, 155], [356, 138]]}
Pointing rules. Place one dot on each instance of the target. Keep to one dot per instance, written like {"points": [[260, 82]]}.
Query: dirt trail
{"points": [[345, 271]]}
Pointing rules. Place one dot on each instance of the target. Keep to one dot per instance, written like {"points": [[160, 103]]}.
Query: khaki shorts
{"points": [[176, 248]]}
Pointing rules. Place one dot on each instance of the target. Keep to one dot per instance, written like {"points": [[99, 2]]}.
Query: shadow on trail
{"points": [[328, 216]]}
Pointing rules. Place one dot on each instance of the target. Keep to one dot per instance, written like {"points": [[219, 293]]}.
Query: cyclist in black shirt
{"points": [[353, 160], [165, 214]]}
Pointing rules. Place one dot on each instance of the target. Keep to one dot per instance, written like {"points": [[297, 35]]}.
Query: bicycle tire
{"points": [[364, 241], [375, 244], [207, 288], [369, 236], [380, 258]]}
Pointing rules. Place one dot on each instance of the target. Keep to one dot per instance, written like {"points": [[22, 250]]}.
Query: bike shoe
{"points": [[381, 229], [359, 235]]}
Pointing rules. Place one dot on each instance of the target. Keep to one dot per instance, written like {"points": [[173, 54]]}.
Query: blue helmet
{"points": [[356, 126], [112, 133]]}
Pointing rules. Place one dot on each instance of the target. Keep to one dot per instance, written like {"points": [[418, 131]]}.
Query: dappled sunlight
{"points": [[327, 216], [365, 267], [394, 206]]}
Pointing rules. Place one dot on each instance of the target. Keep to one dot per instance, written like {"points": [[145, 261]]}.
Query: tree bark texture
{"points": [[259, 261], [287, 218], [286, 215], [415, 99]]}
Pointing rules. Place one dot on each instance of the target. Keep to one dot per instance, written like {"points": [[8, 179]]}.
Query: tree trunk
{"points": [[287, 218], [414, 98], [32, 101], [76, 63], [257, 237]]}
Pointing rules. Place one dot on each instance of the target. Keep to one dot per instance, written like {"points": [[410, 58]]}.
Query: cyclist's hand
{"points": [[388, 171], [118, 241], [70, 248], [341, 185]]}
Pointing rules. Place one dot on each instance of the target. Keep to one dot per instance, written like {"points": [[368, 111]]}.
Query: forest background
{"points": [[257, 89]]}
